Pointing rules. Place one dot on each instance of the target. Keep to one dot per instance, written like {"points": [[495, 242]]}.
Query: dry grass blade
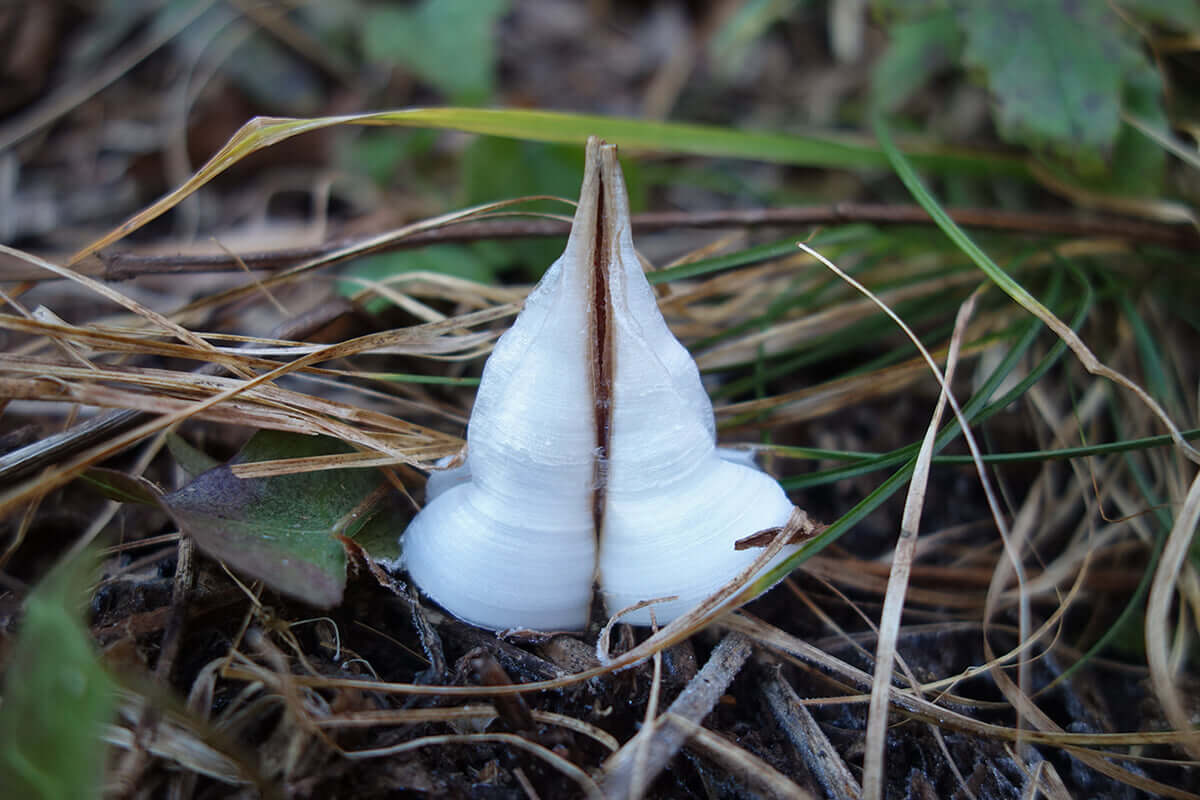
{"points": [[827, 398], [267, 406], [902, 558], [1011, 550], [114, 296], [786, 335], [181, 748], [54, 477], [1047, 732], [422, 338], [1015, 538], [1045, 779], [589, 786], [428, 339], [1163, 590], [409, 716], [296, 466]]}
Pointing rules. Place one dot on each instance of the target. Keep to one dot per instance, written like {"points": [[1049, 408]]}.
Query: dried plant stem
{"points": [[902, 558], [52, 449], [1162, 591], [657, 743], [550, 757], [750, 769], [1046, 731], [123, 266], [822, 758], [99, 288]]}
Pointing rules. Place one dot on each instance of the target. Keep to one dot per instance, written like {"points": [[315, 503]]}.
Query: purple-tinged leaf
{"points": [[281, 530]]}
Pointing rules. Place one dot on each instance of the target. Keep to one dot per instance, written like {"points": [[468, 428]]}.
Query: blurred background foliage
{"points": [[1091, 91]]}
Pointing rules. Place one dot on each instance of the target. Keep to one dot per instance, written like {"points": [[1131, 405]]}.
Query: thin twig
{"points": [[823, 760], [656, 744], [123, 266], [745, 766]]}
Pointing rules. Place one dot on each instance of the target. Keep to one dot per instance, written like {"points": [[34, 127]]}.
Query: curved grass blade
{"points": [[550, 126], [1133, 609]]}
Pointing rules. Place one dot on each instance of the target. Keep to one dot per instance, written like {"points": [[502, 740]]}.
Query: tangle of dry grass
{"points": [[1027, 598]]}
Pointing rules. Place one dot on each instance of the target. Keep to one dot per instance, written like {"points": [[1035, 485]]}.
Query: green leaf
{"points": [[1056, 68], [379, 154], [498, 169], [122, 487], [448, 43], [908, 176], [281, 530], [907, 9], [380, 538], [734, 40], [1140, 163], [56, 695], [1182, 15], [191, 459], [918, 50]]}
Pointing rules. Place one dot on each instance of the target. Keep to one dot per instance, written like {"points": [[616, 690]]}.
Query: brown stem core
{"points": [[602, 366]]}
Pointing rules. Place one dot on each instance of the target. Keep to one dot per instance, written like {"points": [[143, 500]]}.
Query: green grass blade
{"points": [[1133, 609], [976, 409], [1061, 454], [908, 175], [971, 412], [828, 150]]}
